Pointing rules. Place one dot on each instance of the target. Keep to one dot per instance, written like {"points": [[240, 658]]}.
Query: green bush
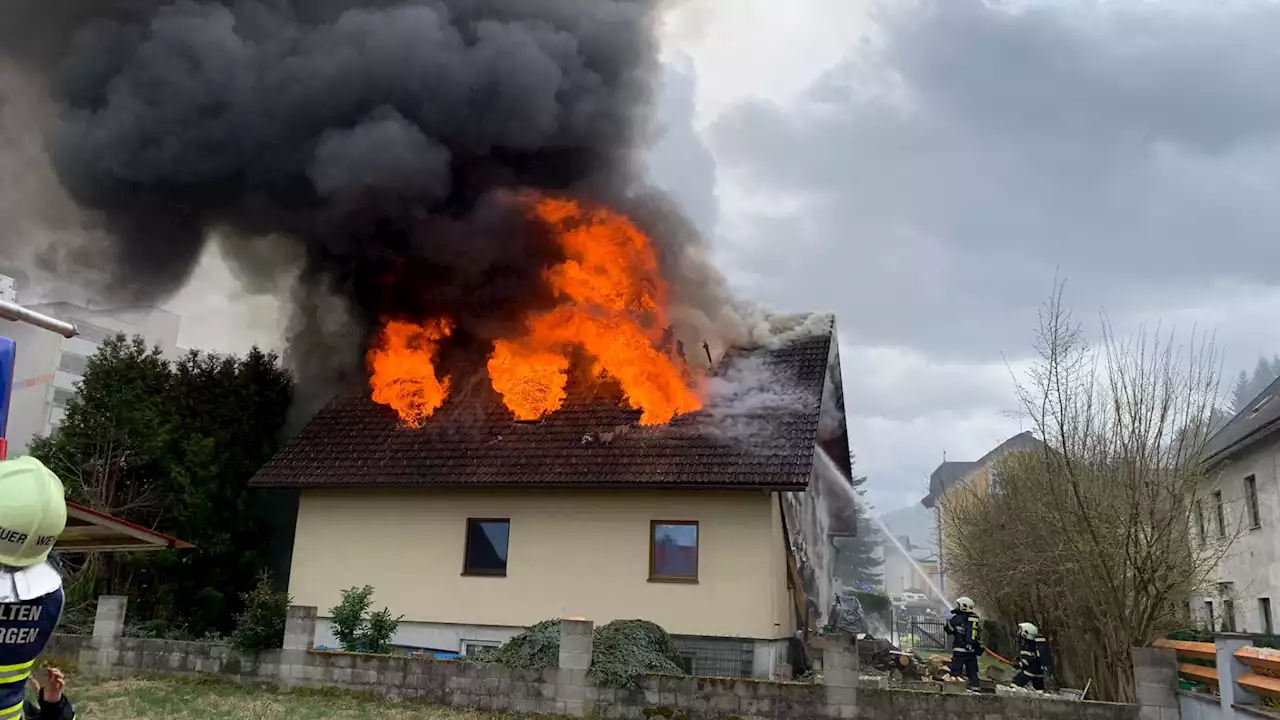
{"points": [[537, 648], [622, 651], [625, 650], [261, 625], [355, 631]]}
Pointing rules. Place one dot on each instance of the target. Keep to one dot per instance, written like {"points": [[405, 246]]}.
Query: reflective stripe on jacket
{"points": [[25, 628]]}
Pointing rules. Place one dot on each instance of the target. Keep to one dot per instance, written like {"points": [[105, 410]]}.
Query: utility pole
{"points": [[9, 352]]}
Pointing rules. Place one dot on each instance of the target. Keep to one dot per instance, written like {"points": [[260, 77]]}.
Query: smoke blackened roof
{"points": [[592, 440]]}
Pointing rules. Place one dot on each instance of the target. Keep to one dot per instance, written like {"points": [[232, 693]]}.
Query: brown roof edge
{"points": [[148, 536]]}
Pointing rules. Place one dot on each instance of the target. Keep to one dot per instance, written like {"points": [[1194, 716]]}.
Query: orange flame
{"points": [[403, 365], [613, 302]]}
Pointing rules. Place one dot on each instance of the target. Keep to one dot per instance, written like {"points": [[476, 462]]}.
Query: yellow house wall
{"points": [[573, 553]]}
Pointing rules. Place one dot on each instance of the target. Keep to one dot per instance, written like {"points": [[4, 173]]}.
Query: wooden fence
{"points": [[1263, 678]]}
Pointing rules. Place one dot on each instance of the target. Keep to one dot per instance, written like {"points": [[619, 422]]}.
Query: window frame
{"points": [[1201, 524], [1220, 513], [1251, 501], [1264, 615], [654, 576], [468, 571], [1208, 607]]}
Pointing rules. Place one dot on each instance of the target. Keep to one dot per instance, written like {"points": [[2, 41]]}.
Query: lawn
{"points": [[183, 700]]}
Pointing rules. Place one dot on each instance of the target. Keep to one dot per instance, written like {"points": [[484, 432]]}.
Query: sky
{"points": [[925, 170]]}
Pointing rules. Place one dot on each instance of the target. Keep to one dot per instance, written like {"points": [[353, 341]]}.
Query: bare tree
{"points": [[1092, 537]]}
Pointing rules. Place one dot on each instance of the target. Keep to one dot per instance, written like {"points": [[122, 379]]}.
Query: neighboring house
{"points": [[952, 480], [1240, 502], [48, 366], [477, 525], [905, 571]]}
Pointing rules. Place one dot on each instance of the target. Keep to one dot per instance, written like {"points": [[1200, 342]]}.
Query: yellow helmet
{"points": [[33, 512]]}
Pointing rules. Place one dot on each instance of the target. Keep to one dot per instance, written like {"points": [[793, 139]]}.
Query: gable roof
{"points": [[948, 474], [593, 440], [1258, 421]]}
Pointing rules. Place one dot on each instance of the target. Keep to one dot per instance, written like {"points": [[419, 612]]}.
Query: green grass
{"points": [[138, 699]]}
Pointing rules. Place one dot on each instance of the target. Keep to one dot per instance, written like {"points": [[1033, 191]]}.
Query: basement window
{"points": [[486, 550], [673, 551]]}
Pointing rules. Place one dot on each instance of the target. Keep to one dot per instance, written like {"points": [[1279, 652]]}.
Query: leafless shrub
{"points": [[1092, 536]]}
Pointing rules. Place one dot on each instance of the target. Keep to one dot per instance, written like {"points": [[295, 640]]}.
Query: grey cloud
{"points": [[972, 151]]}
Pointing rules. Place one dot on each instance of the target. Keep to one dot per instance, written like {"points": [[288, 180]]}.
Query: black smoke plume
{"points": [[387, 138]]}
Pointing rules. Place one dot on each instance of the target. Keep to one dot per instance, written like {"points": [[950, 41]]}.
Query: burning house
{"points": [[474, 523]]}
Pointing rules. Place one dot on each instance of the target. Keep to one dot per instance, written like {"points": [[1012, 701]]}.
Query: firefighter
{"points": [[966, 647], [1034, 660], [33, 513]]}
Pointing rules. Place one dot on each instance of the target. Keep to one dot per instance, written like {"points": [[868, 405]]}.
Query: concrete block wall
{"points": [[566, 690]]}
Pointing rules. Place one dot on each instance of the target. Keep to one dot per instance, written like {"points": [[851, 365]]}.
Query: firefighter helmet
{"points": [[33, 514], [1028, 631], [965, 604]]}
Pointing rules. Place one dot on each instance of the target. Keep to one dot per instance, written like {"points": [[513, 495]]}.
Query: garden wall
{"points": [[565, 690]]}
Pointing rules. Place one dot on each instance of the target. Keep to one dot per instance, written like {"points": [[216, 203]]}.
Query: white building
{"points": [[906, 572], [48, 366], [1240, 504]]}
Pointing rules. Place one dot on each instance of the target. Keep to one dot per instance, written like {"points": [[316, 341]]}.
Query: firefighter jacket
{"points": [[963, 628], [1033, 657], [25, 628]]}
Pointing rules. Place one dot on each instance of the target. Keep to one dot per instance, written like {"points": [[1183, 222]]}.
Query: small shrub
{"points": [[537, 648], [624, 650], [261, 625], [355, 629]]}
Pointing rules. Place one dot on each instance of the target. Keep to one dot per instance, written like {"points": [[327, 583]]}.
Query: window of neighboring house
{"points": [[1228, 615], [469, 647], [673, 551], [1204, 535], [61, 396], [1264, 616], [1251, 500], [487, 541], [72, 363], [1208, 612], [1220, 513]]}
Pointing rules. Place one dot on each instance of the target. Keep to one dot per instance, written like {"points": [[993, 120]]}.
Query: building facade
{"points": [[1237, 519], [48, 367]]}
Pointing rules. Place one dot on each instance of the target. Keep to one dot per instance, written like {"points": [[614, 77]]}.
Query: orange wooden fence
{"points": [[1264, 663]]}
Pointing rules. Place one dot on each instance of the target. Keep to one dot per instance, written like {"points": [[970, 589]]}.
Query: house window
{"points": [[1204, 535], [1251, 500], [470, 647], [486, 552], [1228, 615], [72, 363], [1208, 612], [1264, 615], [61, 397], [1219, 513], [673, 551]]}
